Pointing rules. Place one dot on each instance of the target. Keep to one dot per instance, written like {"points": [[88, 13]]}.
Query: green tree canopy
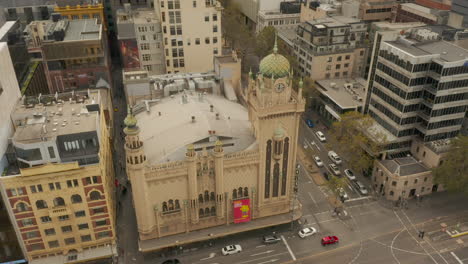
{"points": [[335, 184], [453, 173]]}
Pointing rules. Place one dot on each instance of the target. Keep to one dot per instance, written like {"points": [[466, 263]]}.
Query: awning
{"points": [[332, 112]]}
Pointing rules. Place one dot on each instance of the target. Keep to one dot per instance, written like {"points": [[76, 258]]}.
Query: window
{"points": [[207, 40], [27, 222], [329, 59], [72, 183], [215, 28], [69, 241], [394, 183], [338, 66], [207, 18], [76, 198], [80, 213], [415, 181], [53, 186], [361, 53], [21, 207], [98, 210], [53, 244], [424, 154], [346, 65], [146, 57], [327, 76], [328, 67], [339, 58], [194, 3], [32, 234], [101, 223], [59, 201], [391, 193], [425, 179], [345, 74], [197, 41], [215, 17], [49, 231], [41, 204], [144, 46], [95, 195], [85, 238], [92, 180], [46, 219], [143, 37], [51, 152], [102, 234], [215, 51], [347, 57], [215, 40], [63, 217], [83, 226], [337, 74]]}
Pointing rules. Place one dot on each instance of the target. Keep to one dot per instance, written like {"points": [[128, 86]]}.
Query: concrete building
{"points": [[191, 32], [338, 96], [280, 21], [376, 10], [26, 11], [459, 15], [9, 94], [140, 40], [419, 88], [311, 10], [82, 9], [112, 6], [332, 47], [252, 8], [58, 186], [411, 12], [216, 177], [74, 53]]}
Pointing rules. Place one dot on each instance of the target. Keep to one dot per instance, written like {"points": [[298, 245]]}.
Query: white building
{"points": [[9, 94]]}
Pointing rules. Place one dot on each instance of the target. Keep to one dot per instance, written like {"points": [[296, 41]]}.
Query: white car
{"points": [[343, 194], [334, 169], [307, 232], [321, 136], [334, 157], [231, 249], [318, 161], [349, 173]]}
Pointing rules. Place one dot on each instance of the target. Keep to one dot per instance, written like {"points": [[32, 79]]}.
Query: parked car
{"points": [[309, 123], [271, 239], [334, 169], [334, 157], [307, 232], [171, 261], [361, 188], [343, 195], [329, 240], [321, 136], [350, 174], [326, 176], [318, 161], [231, 249]]}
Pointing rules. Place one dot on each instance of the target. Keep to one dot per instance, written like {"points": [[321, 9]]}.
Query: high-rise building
{"points": [[237, 165], [420, 88], [58, 185], [191, 34], [74, 53], [331, 47], [140, 40]]}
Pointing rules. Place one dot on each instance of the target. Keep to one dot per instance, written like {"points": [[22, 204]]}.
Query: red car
{"points": [[328, 240]]}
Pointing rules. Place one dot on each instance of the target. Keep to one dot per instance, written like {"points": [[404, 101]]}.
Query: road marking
{"points": [[212, 255], [456, 257], [313, 200], [269, 261], [399, 249], [393, 242], [257, 259], [289, 249], [357, 199], [261, 253], [260, 246]]}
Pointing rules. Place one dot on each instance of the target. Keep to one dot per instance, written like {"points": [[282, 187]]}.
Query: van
{"points": [[334, 157]]}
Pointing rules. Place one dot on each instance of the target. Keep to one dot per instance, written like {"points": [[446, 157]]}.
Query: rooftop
{"points": [[5, 29], [449, 52], [335, 21], [404, 166], [83, 29], [168, 128], [346, 93]]}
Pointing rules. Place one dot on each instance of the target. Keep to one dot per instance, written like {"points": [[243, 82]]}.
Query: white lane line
{"points": [[357, 199], [269, 261], [261, 258], [260, 246], [456, 257], [393, 242], [261, 253], [289, 249], [313, 200]]}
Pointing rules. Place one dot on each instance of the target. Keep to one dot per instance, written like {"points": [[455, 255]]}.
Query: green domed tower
{"points": [[275, 65]]}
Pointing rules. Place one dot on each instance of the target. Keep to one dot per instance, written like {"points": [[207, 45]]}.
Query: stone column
{"points": [[219, 176], [191, 158]]}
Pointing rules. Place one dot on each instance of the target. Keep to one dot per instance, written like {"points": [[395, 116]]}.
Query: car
{"points": [[329, 240], [361, 188], [326, 176], [350, 174], [334, 157], [321, 136], [271, 239], [343, 195], [171, 261], [318, 161], [307, 232], [334, 169], [309, 123], [231, 249]]}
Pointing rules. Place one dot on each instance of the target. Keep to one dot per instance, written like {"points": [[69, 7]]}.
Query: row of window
{"points": [[58, 201], [394, 103], [47, 219], [402, 63], [84, 238], [145, 29], [175, 4], [276, 170], [207, 212], [396, 90], [283, 22], [443, 123], [378, 10]]}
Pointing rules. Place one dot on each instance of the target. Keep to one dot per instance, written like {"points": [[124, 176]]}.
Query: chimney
{"points": [[217, 116], [193, 119], [159, 113], [211, 108]]}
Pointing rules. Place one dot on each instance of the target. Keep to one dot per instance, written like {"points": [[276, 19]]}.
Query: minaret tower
{"points": [[136, 162]]}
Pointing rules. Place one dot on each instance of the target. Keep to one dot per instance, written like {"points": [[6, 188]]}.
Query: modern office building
{"points": [[58, 185], [419, 88], [74, 53], [82, 9], [191, 32], [140, 40], [235, 170], [412, 12], [286, 17], [332, 47], [459, 15]]}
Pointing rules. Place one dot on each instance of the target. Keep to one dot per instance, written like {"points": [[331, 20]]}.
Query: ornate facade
{"points": [[223, 173]]}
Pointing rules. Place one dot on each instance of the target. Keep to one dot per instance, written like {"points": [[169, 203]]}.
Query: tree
{"points": [[265, 41], [335, 184], [353, 137], [453, 173]]}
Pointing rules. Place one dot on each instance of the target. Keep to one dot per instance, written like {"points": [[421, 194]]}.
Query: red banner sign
{"points": [[241, 210]]}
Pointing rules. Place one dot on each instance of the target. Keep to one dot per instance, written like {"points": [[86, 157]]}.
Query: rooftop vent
{"points": [[211, 108], [193, 119], [217, 116]]}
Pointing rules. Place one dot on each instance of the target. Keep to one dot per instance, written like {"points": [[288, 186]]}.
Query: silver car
{"points": [[361, 188], [334, 169]]}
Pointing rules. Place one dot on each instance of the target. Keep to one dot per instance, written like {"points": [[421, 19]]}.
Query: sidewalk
{"points": [[216, 232], [310, 167]]}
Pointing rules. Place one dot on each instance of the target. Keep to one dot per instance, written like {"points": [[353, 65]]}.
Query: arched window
{"points": [[234, 194], [207, 196], [76, 198], [285, 166], [276, 179], [21, 207], [212, 196], [267, 169], [246, 192], [240, 192], [95, 195], [171, 205], [177, 205], [201, 212], [200, 198], [59, 201], [41, 204], [213, 211], [164, 207], [207, 211]]}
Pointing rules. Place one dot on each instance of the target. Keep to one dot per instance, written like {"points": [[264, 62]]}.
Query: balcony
{"points": [[59, 211]]}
